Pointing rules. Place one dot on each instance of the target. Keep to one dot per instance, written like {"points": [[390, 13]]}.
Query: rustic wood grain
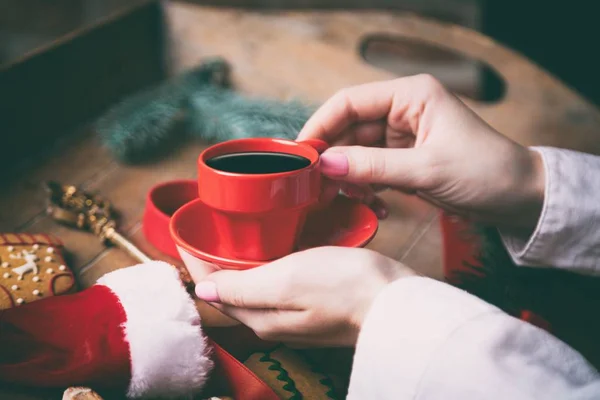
{"points": [[406, 215], [423, 252]]}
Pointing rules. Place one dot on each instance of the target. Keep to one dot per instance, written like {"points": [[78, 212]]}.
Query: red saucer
{"points": [[345, 222], [161, 202]]}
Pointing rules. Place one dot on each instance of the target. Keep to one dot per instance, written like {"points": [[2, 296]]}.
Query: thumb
{"points": [[393, 167], [248, 289], [200, 270]]}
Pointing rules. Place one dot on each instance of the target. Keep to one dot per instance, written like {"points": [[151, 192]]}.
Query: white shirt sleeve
{"points": [[568, 232], [426, 340]]}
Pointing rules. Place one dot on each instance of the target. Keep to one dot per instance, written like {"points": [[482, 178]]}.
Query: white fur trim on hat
{"points": [[169, 354]]}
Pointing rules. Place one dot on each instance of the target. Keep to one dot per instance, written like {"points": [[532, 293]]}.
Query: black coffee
{"points": [[258, 162]]}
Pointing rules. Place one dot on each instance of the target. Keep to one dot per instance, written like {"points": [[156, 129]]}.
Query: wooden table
{"points": [[308, 55]]}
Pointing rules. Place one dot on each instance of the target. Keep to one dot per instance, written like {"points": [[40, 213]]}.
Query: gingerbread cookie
{"points": [[32, 267], [80, 393]]}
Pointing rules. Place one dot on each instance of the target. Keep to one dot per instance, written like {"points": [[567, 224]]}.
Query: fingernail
{"points": [[334, 164], [381, 213], [207, 291]]}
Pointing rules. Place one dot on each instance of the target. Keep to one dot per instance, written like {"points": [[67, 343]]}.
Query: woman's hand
{"points": [[413, 135], [314, 297]]}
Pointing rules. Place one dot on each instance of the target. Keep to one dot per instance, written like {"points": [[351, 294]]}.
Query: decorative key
{"points": [[74, 207]]}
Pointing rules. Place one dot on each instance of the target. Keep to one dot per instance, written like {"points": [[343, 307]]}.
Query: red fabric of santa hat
{"points": [[136, 330]]}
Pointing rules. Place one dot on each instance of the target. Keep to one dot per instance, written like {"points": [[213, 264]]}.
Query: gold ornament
{"points": [[71, 206]]}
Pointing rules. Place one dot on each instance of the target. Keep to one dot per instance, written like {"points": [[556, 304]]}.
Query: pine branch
{"points": [[198, 104], [218, 115]]}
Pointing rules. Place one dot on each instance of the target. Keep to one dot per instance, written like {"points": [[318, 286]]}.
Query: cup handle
{"points": [[319, 145]]}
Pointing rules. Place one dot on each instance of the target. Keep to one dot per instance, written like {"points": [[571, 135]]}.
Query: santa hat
{"points": [[136, 330]]}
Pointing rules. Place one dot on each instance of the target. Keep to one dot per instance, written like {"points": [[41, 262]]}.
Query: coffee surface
{"points": [[258, 162]]}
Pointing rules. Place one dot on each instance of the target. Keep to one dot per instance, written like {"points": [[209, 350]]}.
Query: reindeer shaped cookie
{"points": [[30, 265]]}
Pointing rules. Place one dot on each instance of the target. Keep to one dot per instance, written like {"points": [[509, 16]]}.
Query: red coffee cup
{"points": [[259, 215]]}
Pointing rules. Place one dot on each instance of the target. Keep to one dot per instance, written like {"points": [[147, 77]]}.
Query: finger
{"points": [[379, 207], [398, 139], [330, 190], [287, 326], [268, 324], [405, 190], [263, 287], [366, 165], [246, 316], [374, 134], [379, 187], [363, 133], [211, 317], [199, 270], [354, 191], [362, 192], [368, 102], [373, 188], [369, 133], [375, 203], [367, 195], [401, 102]]}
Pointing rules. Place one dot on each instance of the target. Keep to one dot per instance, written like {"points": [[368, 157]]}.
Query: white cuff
{"points": [[409, 321], [169, 354], [567, 234]]}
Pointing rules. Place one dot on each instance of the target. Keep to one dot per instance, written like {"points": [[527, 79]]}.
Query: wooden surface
{"points": [[308, 55]]}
